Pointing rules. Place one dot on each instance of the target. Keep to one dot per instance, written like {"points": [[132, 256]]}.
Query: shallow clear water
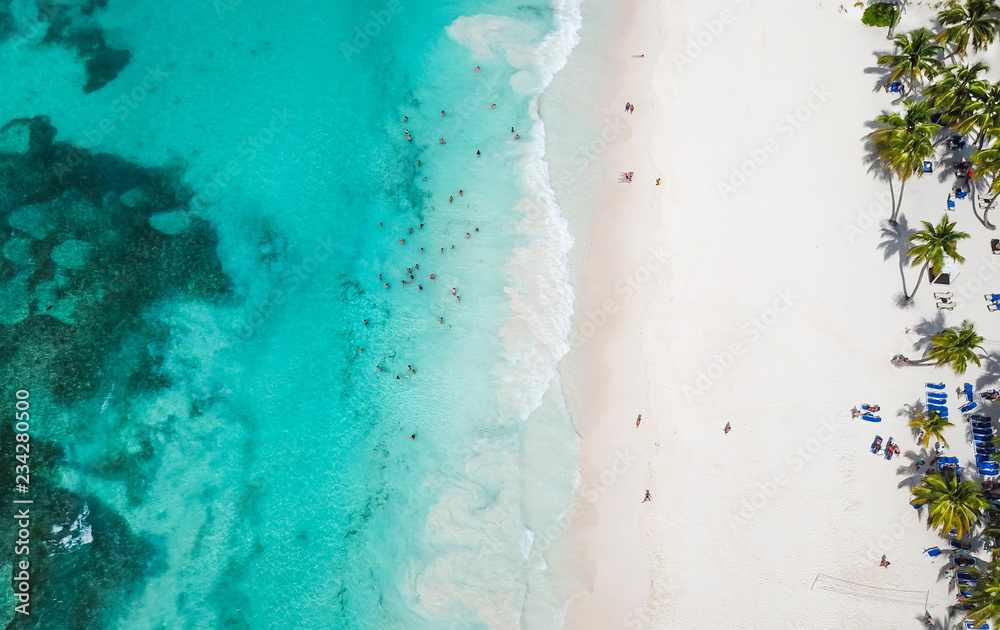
{"points": [[196, 236]]}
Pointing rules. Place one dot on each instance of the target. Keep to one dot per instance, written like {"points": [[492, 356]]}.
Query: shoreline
{"points": [[608, 309]]}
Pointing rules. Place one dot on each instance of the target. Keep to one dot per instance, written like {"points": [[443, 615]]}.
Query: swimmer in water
{"points": [[453, 291], [478, 154], [402, 242], [459, 192], [450, 198], [467, 235], [432, 276], [442, 112], [411, 230], [517, 136], [405, 118], [492, 105], [440, 140], [386, 285], [477, 68]]}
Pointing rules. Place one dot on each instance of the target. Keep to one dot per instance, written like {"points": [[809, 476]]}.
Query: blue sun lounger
{"points": [[968, 386], [935, 385], [932, 552], [951, 204], [969, 407], [870, 418], [895, 86], [985, 626]]}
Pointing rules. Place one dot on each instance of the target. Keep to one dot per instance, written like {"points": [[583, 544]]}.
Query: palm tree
{"points": [[935, 243], [904, 142], [983, 112], [985, 598], [918, 57], [952, 92], [932, 425], [953, 503], [956, 347], [991, 534], [976, 21], [987, 163]]}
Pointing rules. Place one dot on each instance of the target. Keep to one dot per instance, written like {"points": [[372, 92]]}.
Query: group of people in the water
{"points": [[412, 272]]}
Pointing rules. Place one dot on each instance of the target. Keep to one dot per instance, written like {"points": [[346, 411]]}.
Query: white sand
{"points": [[781, 523]]}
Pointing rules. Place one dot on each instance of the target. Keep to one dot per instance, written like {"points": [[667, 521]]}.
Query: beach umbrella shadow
{"points": [[935, 624]]}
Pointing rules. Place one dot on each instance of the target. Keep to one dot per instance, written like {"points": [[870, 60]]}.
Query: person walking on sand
{"points": [[727, 429], [647, 497], [638, 420], [627, 107], [884, 563]]}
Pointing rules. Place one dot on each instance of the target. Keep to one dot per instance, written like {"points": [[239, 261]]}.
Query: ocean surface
{"points": [[287, 367]]}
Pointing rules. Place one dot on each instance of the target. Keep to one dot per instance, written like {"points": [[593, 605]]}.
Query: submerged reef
{"points": [[91, 246], [82, 262]]}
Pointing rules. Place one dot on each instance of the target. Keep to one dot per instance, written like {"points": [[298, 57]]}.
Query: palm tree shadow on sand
{"points": [[894, 243], [908, 412], [882, 75], [991, 372], [909, 469], [927, 329]]}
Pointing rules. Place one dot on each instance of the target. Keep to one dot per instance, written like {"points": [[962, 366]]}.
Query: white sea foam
{"points": [[476, 533], [80, 532]]}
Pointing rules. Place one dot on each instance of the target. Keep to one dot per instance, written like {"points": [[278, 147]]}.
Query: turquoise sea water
{"points": [[200, 197]]}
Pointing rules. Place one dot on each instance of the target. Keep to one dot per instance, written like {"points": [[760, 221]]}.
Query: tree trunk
{"points": [[920, 278], [899, 202]]}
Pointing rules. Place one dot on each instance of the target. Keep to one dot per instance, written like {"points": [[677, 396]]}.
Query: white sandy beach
{"points": [[762, 299]]}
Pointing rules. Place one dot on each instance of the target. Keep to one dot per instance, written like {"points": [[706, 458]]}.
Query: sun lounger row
{"points": [[937, 399], [982, 437]]}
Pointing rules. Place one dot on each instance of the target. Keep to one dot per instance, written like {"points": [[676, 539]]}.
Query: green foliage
{"points": [[881, 14]]}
